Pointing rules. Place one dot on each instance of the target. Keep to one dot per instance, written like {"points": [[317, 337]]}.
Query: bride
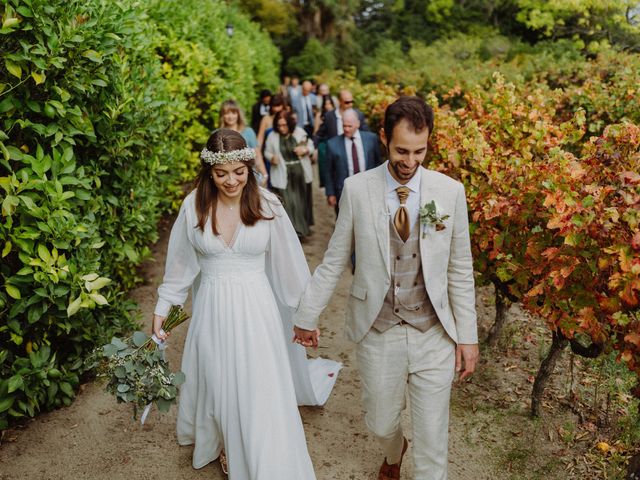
{"points": [[234, 243]]}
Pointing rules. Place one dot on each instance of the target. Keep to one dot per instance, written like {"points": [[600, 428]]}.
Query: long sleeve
{"points": [[326, 276], [181, 267], [286, 264], [271, 147], [330, 177], [460, 274]]}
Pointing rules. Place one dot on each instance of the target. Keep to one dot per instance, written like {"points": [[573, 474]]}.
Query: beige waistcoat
{"points": [[407, 299]]}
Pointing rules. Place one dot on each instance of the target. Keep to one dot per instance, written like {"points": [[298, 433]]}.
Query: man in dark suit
{"points": [[352, 152], [332, 124], [260, 109]]}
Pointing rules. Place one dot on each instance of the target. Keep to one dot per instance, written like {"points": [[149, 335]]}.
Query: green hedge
{"points": [[204, 67], [95, 130]]}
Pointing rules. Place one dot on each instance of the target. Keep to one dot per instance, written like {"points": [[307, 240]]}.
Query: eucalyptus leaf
{"points": [[140, 338], [178, 378], [119, 344], [123, 387], [163, 404], [109, 350]]}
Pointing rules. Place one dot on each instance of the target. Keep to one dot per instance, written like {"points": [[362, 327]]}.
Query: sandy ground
{"points": [[96, 438]]}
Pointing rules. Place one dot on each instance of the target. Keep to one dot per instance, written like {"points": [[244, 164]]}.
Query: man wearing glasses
{"points": [[332, 125]]}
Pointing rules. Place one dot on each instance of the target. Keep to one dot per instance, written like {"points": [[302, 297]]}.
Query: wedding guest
{"points": [[348, 154], [327, 105], [260, 109], [283, 88], [332, 125], [231, 117], [304, 107], [322, 91], [288, 149], [278, 104]]}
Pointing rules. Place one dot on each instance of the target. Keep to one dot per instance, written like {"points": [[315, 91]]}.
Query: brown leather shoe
{"points": [[392, 472]]}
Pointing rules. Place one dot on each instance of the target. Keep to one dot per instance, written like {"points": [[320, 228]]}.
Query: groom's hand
{"points": [[306, 338], [466, 360]]}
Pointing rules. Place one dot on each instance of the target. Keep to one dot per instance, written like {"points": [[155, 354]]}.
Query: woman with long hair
{"points": [[233, 242], [288, 150], [232, 117], [278, 103]]}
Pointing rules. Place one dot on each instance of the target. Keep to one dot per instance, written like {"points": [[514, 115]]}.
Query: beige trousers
{"points": [[402, 360]]}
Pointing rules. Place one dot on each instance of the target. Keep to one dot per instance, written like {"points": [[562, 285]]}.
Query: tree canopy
{"points": [[349, 28]]}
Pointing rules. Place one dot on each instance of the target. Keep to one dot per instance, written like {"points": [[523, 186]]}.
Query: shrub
{"points": [[95, 131]]}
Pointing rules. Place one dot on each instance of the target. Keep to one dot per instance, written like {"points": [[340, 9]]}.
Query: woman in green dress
{"points": [[289, 149]]}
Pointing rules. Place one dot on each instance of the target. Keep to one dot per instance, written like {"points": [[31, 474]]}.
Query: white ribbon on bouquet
{"points": [[161, 345]]}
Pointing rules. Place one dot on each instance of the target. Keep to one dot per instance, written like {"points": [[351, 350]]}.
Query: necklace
{"points": [[228, 207]]}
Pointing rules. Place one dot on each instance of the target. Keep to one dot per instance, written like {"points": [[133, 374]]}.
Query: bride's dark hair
{"points": [[227, 140]]}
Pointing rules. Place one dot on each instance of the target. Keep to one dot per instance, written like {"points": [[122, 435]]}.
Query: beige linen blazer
{"points": [[363, 227]]}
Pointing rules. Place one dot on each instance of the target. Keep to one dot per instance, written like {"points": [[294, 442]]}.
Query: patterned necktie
{"points": [[354, 157], [401, 220]]}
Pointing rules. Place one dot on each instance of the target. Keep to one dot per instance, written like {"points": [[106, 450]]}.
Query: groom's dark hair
{"points": [[412, 109]]}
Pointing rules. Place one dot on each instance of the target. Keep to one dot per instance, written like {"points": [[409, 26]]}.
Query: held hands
{"points": [[466, 360], [306, 338]]}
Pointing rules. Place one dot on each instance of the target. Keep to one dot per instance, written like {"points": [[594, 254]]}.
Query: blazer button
{"points": [[415, 255], [397, 310], [398, 257], [415, 284]]}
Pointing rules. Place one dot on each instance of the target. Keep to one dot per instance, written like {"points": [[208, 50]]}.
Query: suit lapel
{"points": [[426, 194], [365, 150], [343, 156], [377, 185]]}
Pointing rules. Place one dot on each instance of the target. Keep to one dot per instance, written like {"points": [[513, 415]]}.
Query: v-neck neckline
{"points": [[229, 246]]}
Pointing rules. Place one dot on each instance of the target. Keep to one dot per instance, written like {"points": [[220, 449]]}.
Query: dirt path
{"points": [[96, 438]]}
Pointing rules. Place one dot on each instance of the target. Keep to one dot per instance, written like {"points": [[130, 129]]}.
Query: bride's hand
{"points": [[306, 338], [157, 327]]}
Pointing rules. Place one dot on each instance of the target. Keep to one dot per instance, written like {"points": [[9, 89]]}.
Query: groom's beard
{"points": [[404, 174]]}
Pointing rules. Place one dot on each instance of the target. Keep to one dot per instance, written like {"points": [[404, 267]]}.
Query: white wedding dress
{"points": [[244, 377]]}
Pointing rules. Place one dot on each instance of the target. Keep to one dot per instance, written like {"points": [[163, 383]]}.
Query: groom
{"points": [[412, 305]]}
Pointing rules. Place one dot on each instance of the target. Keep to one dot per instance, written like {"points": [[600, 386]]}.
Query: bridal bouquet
{"points": [[137, 372]]}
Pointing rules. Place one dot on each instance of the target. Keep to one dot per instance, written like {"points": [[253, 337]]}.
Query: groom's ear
{"points": [[383, 138]]}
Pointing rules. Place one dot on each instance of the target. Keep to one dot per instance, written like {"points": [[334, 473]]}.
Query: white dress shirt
{"points": [[413, 202], [359, 148], [339, 122], [307, 110]]}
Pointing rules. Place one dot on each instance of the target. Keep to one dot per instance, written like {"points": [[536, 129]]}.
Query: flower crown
{"points": [[220, 158]]}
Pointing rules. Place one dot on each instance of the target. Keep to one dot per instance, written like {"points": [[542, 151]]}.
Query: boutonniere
{"points": [[431, 218]]}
